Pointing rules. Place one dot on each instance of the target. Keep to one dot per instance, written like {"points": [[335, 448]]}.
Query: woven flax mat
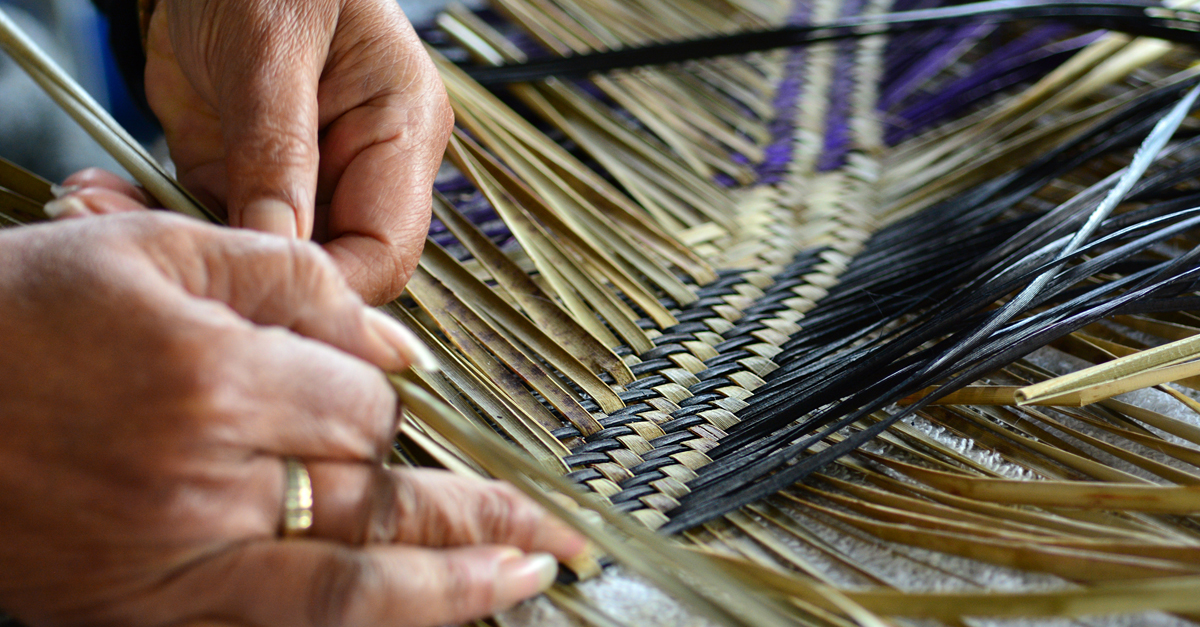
{"points": [[779, 247]]}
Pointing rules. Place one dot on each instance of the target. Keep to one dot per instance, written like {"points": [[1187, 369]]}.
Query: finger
{"points": [[380, 207], [301, 398], [359, 503], [377, 229], [92, 201], [273, 281], [303, 583], [381, 152], [98, 178], [266, 75]]}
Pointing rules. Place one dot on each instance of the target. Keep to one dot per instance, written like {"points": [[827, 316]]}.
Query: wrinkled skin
{"points": [[156, 372], [322, 118]]}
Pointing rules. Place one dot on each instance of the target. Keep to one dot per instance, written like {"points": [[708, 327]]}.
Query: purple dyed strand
{"points": [[990, 76], [838, 140], [904, 48], [953, 45], [912, 47], [1002, 58], [778, 154]]}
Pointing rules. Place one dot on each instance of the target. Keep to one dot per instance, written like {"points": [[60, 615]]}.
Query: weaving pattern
{"points": [[702, 368], [790, 187], [795, 232]]}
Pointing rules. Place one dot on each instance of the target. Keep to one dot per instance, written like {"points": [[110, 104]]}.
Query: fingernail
{"points": [[403, 341], [521, 576], [270, 216], [68, 207], [58, 191]]}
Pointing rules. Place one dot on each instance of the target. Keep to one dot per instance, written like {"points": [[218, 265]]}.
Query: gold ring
{"points": [[297, 499]]}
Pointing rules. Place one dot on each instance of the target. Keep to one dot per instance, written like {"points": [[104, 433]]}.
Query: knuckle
{"points": [[515, 518], [501, 512], [341, 588], [312, 268], [405, 498], [282, 144], [434, 513], [280, 138], [462, 585], [270, 145], [291, 267], [382, 515]]}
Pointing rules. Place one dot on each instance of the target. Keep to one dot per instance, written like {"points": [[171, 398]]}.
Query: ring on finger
{"points": [[297, 499]]}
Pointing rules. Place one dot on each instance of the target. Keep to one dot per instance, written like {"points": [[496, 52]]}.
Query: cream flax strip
{"points": [[1171, 354]]}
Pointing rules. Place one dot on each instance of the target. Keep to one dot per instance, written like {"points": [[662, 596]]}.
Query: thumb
{"points": [[266, 81]]}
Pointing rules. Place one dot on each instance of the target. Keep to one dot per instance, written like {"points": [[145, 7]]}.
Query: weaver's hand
{"points": [[321, 118], [156, 373]]}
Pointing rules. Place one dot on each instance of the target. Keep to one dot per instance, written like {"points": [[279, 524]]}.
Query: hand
{"points": [[322, 118], [155, 373]]}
